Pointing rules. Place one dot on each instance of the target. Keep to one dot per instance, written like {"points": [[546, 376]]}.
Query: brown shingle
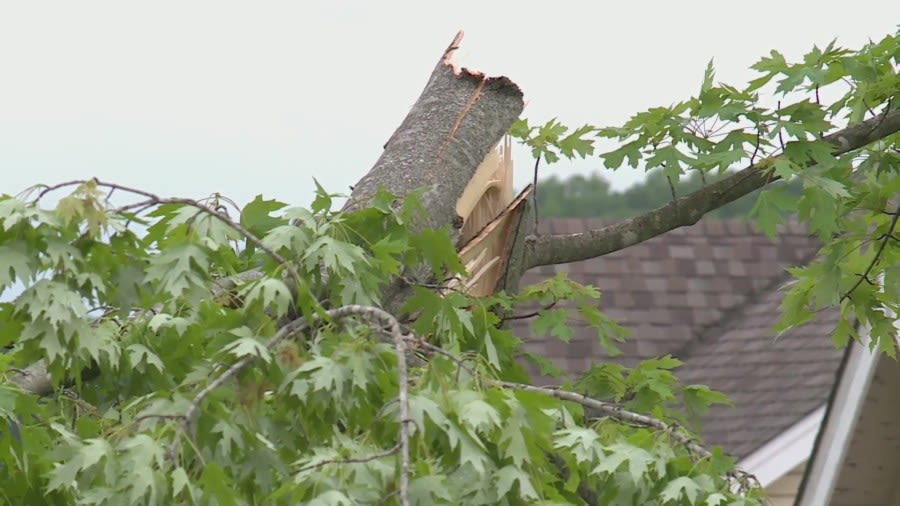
{"points": [[708, 295]]}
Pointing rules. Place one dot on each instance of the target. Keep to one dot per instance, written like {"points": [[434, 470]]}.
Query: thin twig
{"points": [[437, 350], [884, 240], [616, 412], [537, 163], [290, 329], [382, 318], [526, 316], [153, 199], [780, 130], [357, 460], [672, 190], [756, 147], [623, 415]]}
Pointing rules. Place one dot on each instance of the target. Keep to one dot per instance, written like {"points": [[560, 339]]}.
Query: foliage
{"points": [[205, 356], [849, 200], [210, 396]]}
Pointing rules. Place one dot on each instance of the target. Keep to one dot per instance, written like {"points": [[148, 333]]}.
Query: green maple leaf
{"points": [[326, 373], [269, 292], [164, 320], [716, 499], [437, 251], [181, 483], [17, 263], [323, 201], [257, 215], [175, 268], [582, 442], [335, 255], [230, 437], [575, 143], [708, 75], [332, 498], [638, 461], [632, 150], [138, 354], [141, 454], [215, 482], [248, 346], [680, 486], [477, 414], [427, 489], [520, 129], [554, 321], [512, 440], [507, 476], [771, 206]]}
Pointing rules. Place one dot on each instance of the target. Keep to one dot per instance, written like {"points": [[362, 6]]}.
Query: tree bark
{"points": [[460, 116], [687, 210]]}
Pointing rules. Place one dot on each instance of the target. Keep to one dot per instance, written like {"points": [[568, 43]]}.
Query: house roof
{"points": [[773, 382], [707, 294], [855, 459]]}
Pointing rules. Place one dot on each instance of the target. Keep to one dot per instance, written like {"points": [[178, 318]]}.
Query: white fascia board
{"points": [[786, 451], [837, 432]]}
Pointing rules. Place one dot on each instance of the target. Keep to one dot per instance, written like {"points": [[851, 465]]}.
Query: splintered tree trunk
{"points": [[448, 145]]}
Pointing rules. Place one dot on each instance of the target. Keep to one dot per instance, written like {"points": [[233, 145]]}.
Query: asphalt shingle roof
{"points": [[708, 295]]}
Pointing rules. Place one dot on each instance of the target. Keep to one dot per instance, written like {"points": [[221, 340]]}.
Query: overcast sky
{"points": [[188, 98]]}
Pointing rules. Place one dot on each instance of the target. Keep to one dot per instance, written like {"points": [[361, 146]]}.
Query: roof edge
{"points": [[837, 428], [785, 451]]}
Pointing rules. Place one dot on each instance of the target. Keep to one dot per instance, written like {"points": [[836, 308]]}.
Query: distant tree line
{"points": [[582, 196]]}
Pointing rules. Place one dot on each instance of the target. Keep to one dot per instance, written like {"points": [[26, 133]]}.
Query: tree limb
{"points": [[383, 319], [459, 117], [565, 248], [622, 415], [883, 241]]}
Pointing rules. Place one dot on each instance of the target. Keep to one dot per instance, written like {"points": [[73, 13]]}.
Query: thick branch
{"points": [[33, 379], [458, 119], [565, 248]]}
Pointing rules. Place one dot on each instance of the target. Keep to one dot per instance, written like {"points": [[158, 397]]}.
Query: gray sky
{"points": [[188, 98]]}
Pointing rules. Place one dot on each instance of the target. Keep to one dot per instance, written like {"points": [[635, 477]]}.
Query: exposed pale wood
{"points": [[486, 255], [459, 118], [488, 193]]}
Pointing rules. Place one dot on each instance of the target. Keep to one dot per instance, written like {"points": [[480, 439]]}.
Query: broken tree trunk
{"points": [[445, 146], [452, 128], [449, 134]]}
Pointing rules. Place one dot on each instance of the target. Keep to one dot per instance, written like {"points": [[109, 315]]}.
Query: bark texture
{"points": [[458, 119], [460, 116]]}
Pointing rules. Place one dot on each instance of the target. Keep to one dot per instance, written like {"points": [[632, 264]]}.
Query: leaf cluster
{"points": [[140, 310]]}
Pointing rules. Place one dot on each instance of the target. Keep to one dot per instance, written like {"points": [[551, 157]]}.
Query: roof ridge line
{"points": [[716, 328]]}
